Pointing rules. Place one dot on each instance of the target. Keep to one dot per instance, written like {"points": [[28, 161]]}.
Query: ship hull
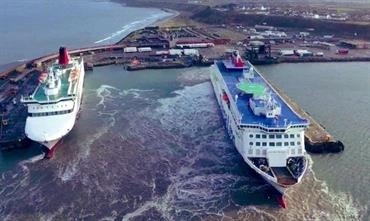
{"points": [[51, 147]]}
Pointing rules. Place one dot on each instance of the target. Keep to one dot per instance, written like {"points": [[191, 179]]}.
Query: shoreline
{"points": [[7, 67], [167, 18]]}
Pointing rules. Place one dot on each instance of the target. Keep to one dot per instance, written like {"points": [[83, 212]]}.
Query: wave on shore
{"points": [[126, 29]]}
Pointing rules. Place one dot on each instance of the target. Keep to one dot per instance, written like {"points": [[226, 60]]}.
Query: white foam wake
{"points": [[117, 33], [102, 92], [105, 93], [33, 159]]}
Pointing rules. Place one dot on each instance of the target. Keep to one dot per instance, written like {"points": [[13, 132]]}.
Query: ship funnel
{"points": [[63, 56], [237, 60]]}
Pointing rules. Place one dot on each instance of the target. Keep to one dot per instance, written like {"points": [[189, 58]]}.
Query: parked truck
{"points": [[130, 49], [145, 49]]}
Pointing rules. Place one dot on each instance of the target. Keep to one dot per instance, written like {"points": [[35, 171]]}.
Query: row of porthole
{"points": [[258, 151], [272, 136], [273, 144], [47, 107], [49, 113]]}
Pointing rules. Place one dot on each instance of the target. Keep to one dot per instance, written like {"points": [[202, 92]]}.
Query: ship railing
{"points": [[30, 99], [276, 128], [26, 98], [233, 108]]}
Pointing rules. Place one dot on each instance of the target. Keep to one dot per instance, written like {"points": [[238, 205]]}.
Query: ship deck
{"points": [[231, 78], [39, 94]]}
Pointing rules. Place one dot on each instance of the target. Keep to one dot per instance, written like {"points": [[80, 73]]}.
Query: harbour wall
{"points": [[317, 139]]}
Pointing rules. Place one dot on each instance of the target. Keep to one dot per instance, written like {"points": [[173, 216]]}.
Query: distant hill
{"points": [[212, 16]]}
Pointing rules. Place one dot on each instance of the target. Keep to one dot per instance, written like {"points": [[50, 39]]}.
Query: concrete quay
{"points": [[317, 139]]}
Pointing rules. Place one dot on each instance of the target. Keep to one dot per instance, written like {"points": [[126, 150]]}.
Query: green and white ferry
{"points": [[54, 105]]}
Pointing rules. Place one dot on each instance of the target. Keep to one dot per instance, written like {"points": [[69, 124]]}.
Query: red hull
{"points": [[50, 153], [281, 201]]}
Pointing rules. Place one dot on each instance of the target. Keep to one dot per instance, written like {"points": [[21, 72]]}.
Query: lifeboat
{"points": [[135, 62], [74, 75]]}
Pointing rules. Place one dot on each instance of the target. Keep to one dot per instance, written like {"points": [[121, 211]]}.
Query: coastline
{"points": [[163, 20], [174, 13], [7, 67]]}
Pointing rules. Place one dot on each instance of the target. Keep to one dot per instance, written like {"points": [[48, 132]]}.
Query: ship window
{"points": [[271, 144], [258, 152], [286, 143], [264, 152], [251, 135], [279, 144], [292, 143], [291, 135], [299, 151], [264, 136], [278, 136], [298, 135], [258, 144], [264, 144], [286, 136], [292, 151], [271, 136], [258, 135], [298, 143], [250, 151], [251, 143]]}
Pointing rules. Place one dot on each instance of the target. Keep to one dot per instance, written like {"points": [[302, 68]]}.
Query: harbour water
{"points": [[151, 145], [337, 96], [31, 29]]}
